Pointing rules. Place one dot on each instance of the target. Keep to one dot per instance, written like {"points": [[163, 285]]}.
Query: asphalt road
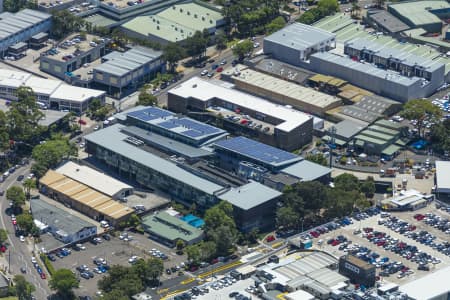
{"points": [[20, 254]]}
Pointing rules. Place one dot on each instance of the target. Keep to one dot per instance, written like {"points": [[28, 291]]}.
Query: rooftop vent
{"points": [[194, 86]]}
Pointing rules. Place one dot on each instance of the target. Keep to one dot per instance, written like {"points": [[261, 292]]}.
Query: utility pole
{"points": [[332, 143], [9, 261]]}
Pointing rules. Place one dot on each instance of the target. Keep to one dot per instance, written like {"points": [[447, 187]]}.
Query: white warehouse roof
{"points": [[75, 93], [93, 178], [206, 90], [432, 286], [443, 176]]}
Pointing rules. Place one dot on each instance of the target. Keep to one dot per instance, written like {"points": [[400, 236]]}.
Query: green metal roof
{"points": [[391, 149], [384, 130], [389, 124], [377, 135], [170, 227], [402, 142], [370, 140], [418, 12]]}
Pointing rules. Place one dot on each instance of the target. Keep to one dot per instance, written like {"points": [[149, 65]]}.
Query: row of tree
{"points": [[313, 202], [123, 282], [221, 234], [324, 8]]}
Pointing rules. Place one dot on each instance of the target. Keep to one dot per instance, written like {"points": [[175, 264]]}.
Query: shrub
{"points": [[48, 264]]}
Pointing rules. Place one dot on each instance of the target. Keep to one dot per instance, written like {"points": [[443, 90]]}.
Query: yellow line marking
{"points": [[187, 281], [222, 268], [281, 296]]}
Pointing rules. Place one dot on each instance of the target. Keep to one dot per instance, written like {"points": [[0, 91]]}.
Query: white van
{"points": [[104, 224]]}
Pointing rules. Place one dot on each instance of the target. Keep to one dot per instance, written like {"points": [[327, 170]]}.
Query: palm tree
{"points": [[355, 10], [28, 185]]}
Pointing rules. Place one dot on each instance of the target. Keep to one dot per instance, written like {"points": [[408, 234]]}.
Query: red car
{"points": [[82, 122], [14, 222], [43, 275], [314, 234], [335, 243], [193, 268], [214, 261], [270, 238], [219, 69]]}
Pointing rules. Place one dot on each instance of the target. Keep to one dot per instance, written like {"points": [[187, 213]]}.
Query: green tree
{"points": [[25, 221], [123, 279], [23, 117], [287, 217], [242, 49], [368, 187], [3, 235], [23, 288], [421, 111], [180, 245], [64, 281], [146, 99], [276, 24], [193, 254], [318, 159], [439, 134], [64, 23], [221, 41], [328, 6], [224, 237], [115, 294], [95, 105], [308, 17], [195, 45], [4, 134], [208, 250], [16, 195], [172, 53], [28, 185], [51, 153], [355, 10], [156, 268], [346, 182]]}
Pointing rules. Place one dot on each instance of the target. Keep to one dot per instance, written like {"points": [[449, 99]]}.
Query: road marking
{"points": [[281, 296], [187, 281], [219, 269]]}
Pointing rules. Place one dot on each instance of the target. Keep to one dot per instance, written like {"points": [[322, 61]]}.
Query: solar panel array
{"points": [[256, 150], [150, 113], [167, 120]]}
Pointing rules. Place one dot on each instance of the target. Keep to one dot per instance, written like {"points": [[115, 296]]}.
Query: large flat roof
{"points": [[419, 13], [389, 21], [299, 36], [203, 90], [113, 139], [43, 86], [57, 217], [171, 227], [258, 151], [250, 195], [180, 125], [443, 175], [282, 87], [122, 63], [366, 68], [306, 170], [75, 93], [93, 178], [430, 286], [11, 24]]}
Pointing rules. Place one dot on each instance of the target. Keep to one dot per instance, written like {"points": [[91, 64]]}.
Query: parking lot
{"points": [[116, 251], [401, 247]]}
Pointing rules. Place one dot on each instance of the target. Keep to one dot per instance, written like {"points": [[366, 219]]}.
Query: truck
{"points": [[390, 172], [306, 244]]}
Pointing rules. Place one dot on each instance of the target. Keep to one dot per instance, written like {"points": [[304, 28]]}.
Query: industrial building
{"points": [[343, 132], [243, 114], [433, 286], [21, 26], [64, 226], [96, 180], [296, 42], [371, 108], [53, 94], [406, 64], [421, 14], [168, 229], [357, 270], [442, 180], [386, 22], [312, 272], [368, 76], [73, 53], [254, 206], [175, 23], [82, 198], [406, 200], [280, 91], [122, 73]]}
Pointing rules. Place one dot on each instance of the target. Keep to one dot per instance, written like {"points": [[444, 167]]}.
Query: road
{"points": [[20, 253]]}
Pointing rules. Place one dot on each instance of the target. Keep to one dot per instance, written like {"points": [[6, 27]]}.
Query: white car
{"points": [[82, 145], [133, 259], [97, 127], [22, 239], [33, 260], [204, 72]]}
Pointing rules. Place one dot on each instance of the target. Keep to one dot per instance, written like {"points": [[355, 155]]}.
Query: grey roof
{"points": [[403, 57], [11, 24], [299, 36], [112, 139], [249, 195], [18, 46], [307, 170], [120, 64], [366, 68], [40, 35], [3, 282], [388, 21], [166, 143], [348, 129], [57, 217], [369, 108]]}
